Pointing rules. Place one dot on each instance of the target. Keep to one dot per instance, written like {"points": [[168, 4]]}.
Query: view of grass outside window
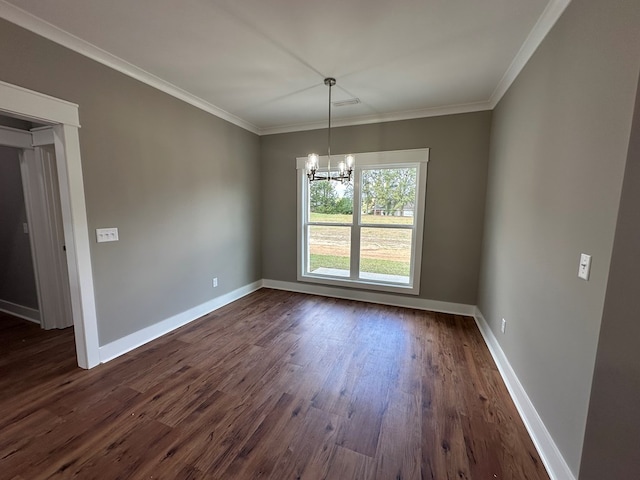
{"points": [[329, 250], [384, 227], [388, 197], [330, 203], [366, 232]]}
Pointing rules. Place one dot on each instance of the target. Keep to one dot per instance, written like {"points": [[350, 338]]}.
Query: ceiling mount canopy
{"points": [[345, 167]]}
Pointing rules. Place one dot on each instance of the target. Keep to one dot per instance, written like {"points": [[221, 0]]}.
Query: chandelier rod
{"points": [[330, 82], [345, 167]]}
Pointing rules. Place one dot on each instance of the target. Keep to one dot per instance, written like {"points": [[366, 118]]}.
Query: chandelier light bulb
{"points": [[312, 164], [350, 160]]}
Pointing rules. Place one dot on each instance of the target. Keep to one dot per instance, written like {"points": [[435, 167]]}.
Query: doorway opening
{"points": [[34, 280], [18, 290], [60, 119]]}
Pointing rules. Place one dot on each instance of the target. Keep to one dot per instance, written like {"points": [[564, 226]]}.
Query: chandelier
{"points": [[345, 167]]}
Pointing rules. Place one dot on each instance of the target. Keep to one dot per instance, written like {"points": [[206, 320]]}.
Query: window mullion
{"points": [[305, 223], [386, 257], [355, 229]]}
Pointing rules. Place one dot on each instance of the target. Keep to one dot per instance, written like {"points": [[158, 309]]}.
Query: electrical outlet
{"points": [[215, 282], [503, 327]]}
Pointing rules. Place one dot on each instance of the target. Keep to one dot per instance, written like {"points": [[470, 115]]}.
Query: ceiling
{"points": [[261, 63]]}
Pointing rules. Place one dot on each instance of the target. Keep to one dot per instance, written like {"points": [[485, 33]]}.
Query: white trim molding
{"points": [[380, 118], [26, 313], [45, 29], [76, 236], [414, 155], [42, 136], [30, 22], [136, 339], [553, 460], [547, 20], [63, 115], [372, 297], [416, 159], [31, 105], [12, 137]]}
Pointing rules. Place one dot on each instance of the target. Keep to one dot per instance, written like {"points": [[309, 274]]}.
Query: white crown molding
{"points": [[547, 20], [40, 27], [385, 117], [551, 456]]}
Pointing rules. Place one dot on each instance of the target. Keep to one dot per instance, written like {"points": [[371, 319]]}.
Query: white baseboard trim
{"points": [[546, 447], [130, 342], [553, 460], [372, 297], [26, 313]]}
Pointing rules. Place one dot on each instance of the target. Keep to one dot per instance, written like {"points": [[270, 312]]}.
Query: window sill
{"points": [[360, 284]]}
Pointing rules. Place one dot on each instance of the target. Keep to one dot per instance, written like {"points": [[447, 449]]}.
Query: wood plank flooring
{"points": [[277, 385]]}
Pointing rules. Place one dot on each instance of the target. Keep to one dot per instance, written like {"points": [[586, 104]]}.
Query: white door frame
{"points": [[63, 116]]}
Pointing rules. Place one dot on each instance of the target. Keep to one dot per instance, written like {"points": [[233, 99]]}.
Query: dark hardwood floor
{"points": [[277, 385]]}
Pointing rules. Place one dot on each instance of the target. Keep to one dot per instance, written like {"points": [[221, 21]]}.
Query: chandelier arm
{"points": [[338, 178]]}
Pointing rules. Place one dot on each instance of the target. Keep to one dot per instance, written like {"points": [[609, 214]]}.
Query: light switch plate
{"points": [[585, 266], [106, 235]]}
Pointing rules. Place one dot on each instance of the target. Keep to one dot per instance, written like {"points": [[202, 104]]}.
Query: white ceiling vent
{"points": [[344, 103]]}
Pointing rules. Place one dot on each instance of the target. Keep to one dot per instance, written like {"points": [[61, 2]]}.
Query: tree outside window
{"points": [[367, 231]]}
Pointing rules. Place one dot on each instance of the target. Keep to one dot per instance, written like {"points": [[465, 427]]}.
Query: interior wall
{"points": [[558, 150], [17, 280], [12, 122], [613, 423], [455, 194], [181, 185]]}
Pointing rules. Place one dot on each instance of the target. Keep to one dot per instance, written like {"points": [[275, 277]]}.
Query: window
{"points": [[366, 233]]}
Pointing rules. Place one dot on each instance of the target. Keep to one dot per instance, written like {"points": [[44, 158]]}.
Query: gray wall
{"points": [[613, 424], [181, 185], [17, 282], [185, 190], [558, 150], [455, 194], [12, 122]]}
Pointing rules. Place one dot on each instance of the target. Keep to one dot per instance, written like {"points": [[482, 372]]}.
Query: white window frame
{"points": [[417, 158]]}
